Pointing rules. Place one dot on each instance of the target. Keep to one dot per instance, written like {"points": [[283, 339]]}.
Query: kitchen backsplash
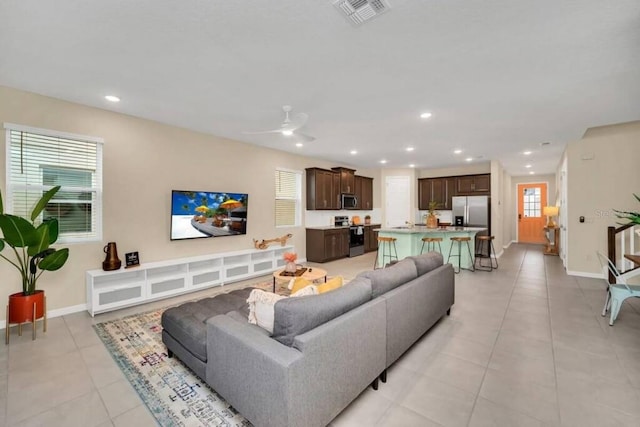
{"points": [[322, 218]]}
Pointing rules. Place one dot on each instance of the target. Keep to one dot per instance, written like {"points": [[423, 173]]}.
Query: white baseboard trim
{"points": [[508, 244], [56, 313], [585, 274], [499, 254]]}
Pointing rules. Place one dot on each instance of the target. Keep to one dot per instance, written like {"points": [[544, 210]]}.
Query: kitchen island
{"points": [[409, 241]]}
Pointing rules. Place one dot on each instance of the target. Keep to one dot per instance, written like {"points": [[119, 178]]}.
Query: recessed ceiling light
{"points": [[354, 152], [383, 161], [527, 166], [412, 165], [112, 98], [287, 132], [298, 144], [532, 173], [409, 148], [468, 159], [425, 115], [458, 151], [526, 153]]}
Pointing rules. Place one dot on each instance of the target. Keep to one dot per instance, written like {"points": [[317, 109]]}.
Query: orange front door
{"points": [[531, 199]]}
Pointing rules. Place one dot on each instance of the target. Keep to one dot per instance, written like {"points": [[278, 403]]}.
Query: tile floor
{"points": [[525, 345]]}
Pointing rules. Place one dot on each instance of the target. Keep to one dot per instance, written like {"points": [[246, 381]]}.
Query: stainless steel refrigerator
{"points": [[472, 211]]}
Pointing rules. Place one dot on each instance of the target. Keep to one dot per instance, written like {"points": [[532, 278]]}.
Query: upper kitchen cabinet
{"points": [[473, 185], [322, 189], [439, 190], [347, 180], [364, 192]]}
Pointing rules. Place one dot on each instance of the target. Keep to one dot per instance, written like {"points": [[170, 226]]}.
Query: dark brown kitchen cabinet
{"points": [[327, 244], [347, 180], [370, 237], [439, 190], [364, 192], [321, 189], [473, 184]]}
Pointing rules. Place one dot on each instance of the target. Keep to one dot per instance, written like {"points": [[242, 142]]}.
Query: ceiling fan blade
{"points": [[262, 131], [305, 137]]}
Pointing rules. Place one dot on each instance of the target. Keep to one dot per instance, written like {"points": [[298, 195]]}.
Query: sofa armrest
{"points": [[249, 369]]}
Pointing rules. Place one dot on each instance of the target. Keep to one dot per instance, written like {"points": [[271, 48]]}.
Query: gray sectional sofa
{"points": [[325, 349]]}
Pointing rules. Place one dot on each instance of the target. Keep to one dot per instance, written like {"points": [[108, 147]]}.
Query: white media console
{"points": [[111, 290]]}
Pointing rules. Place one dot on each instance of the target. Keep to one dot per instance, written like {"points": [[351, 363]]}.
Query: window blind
{"points": [[288, 196], [38, 161]]}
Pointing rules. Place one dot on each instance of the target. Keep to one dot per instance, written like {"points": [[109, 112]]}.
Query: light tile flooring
{"points": [[525, 345]]}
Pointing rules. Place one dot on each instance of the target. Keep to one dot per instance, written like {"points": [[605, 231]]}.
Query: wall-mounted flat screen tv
{"points": [[196, 214]]}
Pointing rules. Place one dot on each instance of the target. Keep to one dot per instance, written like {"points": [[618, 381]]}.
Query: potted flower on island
{"points": [[29, 240], [432, 220]]}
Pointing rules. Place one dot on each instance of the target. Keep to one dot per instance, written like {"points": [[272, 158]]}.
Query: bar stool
{"points": [[459, 240], [386, 242], [486, 243], [431, 244]]}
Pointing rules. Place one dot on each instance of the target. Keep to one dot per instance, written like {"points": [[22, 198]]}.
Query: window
{"points": [[532, 202], [288, 198], [40, 159]]}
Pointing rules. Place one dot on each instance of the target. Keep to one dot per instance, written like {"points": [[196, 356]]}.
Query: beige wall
{"points": [[603, 172], [497, 205], [143, 162]]}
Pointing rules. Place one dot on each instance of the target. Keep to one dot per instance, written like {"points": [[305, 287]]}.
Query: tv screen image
{"points": [[197, 214]]}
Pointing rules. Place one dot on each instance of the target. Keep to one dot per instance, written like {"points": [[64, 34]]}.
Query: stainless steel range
{"points": [[356, 235]]}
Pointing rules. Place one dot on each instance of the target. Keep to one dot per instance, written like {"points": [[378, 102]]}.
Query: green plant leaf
{"points": [[42, 203], [53, 229], [1, 205], [42, 242], [18, 232], [1, 245], [55, 260]]}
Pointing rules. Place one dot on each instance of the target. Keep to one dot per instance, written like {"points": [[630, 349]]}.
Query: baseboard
{"points": [[56, 313], [508, 244], [585, 274], [499, 254]]}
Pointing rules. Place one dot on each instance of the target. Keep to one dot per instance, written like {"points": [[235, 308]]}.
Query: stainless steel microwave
{"points": [[349, 201]]}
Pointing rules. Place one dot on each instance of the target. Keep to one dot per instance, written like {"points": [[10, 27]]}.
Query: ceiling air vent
{"points": [[359, 11]]}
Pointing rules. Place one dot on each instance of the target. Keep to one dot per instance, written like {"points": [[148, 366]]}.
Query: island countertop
{"points": [[421, 229]]}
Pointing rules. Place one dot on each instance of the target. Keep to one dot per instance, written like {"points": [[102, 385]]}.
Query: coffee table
{"points": [[312, 274]]}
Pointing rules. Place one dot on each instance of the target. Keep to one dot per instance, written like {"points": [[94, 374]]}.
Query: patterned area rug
{"points": [[173, 393]]}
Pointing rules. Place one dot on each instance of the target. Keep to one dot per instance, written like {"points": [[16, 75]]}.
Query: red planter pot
{"points": [[21, 307]]}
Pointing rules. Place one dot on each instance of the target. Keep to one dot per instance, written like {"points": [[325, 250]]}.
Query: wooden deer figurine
{"points": [[264, 244]]}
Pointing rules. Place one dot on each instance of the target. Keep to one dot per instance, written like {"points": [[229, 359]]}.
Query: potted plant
{"points": [[367, 219], [633, 217], [32, 255], [432, 221]]}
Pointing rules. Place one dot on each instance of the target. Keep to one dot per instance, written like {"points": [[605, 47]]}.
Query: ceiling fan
{"points": [[289, 125]]}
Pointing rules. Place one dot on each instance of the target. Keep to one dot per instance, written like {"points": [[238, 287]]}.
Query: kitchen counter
{"points": [[331, 227], [409, 240]]}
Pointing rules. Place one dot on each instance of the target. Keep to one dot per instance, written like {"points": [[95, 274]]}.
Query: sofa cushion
{"points": [[427, 262], [385, 279], [330, 285], [261, 308], [298, 283], [186, 323], [295, 316]]}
